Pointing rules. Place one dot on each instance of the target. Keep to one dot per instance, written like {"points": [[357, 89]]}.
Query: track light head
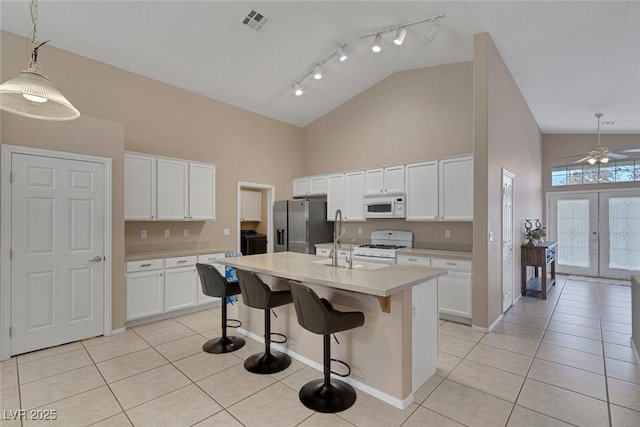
{"points": [[377, 43], [342, 54], [432, 32], [297, 89], [317, 72], [401, 33]]}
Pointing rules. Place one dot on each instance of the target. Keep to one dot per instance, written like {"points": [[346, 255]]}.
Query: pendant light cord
{"points": [[33, 62]]}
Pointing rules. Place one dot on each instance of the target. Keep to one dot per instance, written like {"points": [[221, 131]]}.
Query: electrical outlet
{"points": [[447, 233], [143, 234], [167, 232], [226, 232], [186, 232], [359, 230]]}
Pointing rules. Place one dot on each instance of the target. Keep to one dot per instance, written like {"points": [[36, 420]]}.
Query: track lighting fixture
{"points": [[297, 89], [433, 31], [317, 72], [342, 54], [377, 43], [401, 33]]}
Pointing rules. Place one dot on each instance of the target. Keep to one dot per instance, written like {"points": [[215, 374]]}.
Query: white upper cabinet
{"points": [[456, 189], [173, 189], [335, 195], [422, 191], [202, 188], [385, 180], [250, 205], [309, 186], [161, 188], [353, 196], [139, 187]]}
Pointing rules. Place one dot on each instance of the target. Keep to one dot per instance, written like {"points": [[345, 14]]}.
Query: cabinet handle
{"points": [[152, 216], [145, 265], [413, 260], [161, 274], [185, 217], [182, 261], [452, 263], [436, 217]]}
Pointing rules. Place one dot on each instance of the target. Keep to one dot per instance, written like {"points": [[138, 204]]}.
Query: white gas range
{"points": [[384, 244]]}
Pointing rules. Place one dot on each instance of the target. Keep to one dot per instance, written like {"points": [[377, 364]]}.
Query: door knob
{"points": [[96, 259]]}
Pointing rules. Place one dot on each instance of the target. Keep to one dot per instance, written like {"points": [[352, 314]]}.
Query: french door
{"points": [[598, 232]]}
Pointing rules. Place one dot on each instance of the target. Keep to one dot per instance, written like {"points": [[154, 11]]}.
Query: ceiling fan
{"points": [[602, 154]]}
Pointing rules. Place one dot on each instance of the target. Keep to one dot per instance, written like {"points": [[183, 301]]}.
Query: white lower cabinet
{"points": [[180, 283], [455, 295], [145, 294], [424, 261], [164, 285]]}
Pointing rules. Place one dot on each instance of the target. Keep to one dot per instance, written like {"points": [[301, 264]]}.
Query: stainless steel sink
{"points": [[359, 265]]}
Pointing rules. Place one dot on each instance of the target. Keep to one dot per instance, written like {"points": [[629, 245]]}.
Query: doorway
{"points": [[598, 232], [260, 210], [507, 240], [56, 287]]}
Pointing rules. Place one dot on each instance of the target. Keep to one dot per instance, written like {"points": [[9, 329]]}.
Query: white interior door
{"points": [[573, 223], [620, 234], [507, 240], [57, 241]]}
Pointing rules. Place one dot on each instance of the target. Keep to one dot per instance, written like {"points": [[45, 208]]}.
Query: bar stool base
{"points": [[335, 397], [263, 363], [223, 345]]}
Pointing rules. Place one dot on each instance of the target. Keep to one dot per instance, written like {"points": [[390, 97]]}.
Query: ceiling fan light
{"points": [[604, 160], [592, 160]]}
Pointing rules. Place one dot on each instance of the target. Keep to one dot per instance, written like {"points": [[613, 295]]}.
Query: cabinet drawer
{"points": [[414, 260], [183, 261], [210, 258], [451, 264], [323, 251], [150, 264]]}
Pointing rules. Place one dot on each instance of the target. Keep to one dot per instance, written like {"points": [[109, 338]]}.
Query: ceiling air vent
{"points": [[256, 21]]}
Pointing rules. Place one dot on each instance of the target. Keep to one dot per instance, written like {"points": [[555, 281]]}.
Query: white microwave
{"points": [[384, 206]]}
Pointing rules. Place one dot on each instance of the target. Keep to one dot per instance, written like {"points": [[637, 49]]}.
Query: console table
{"points": [[538, 256]]}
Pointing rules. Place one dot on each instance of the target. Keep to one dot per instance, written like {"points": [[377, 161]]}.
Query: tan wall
{"points": [[505, 136], [410, 116], [559, 145], [87, 135], [164, 120]]}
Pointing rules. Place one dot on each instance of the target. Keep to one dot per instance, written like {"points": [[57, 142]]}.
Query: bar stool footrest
{"points": [[343, 364], [236, 324], [284, 338]]}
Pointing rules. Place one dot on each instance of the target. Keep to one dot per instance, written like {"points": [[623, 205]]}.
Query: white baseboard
{"points": [[490, 328], [118, 331], [394, 401]]}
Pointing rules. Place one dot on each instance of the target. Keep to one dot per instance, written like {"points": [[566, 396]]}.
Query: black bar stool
{"points": [[215, 285], [256, 294], [317, 315]]}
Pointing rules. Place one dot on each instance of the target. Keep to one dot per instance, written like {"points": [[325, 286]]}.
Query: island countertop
{"points": [[380, 281]]}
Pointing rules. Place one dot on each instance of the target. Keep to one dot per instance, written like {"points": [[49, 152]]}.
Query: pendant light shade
{"points": [[31, 94]]}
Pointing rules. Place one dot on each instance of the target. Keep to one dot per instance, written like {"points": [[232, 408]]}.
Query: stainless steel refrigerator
{"points": [[300, 225]]}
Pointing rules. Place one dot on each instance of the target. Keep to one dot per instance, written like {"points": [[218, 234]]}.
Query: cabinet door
{"points": [[180, 288], [173, 182], [424, 261], [422, 191], [394, 179], [456, 189], [374, 181], [139, 187], [145, 294], [335, 195], [317, 185], [300, 187], [354, 196], [323, 251], [202, 191], [454, 294], [250, 205]]}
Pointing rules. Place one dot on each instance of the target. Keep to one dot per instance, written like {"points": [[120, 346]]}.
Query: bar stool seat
{"points": [[215, 285], [317, 315], [256, 294]]}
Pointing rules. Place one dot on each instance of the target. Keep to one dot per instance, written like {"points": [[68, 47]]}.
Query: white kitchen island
{"points": [[392, 354]]}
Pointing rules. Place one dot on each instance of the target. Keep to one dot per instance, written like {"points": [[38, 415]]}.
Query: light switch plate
{"points": [[186, 232], [226, 232], [167, 232], [359, 230], [143, 234], [447, 233]]}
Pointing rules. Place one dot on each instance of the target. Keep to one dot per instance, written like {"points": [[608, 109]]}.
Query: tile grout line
{"points": [[604, 360]]}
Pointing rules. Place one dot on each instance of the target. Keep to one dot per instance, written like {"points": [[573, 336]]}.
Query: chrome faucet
{"points": [[337, 226], [349, 259]]}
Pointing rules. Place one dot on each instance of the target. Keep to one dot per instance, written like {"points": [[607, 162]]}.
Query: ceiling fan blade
{"points": [[629, 150], [616, 155], [568, 157], [582, 159]]}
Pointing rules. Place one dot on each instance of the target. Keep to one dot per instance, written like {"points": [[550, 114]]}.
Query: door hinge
{"points": [[11, 177], [10, 254], [10, 331]]}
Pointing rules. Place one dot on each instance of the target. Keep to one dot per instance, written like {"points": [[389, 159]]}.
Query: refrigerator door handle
{"points": [[280, 237]]}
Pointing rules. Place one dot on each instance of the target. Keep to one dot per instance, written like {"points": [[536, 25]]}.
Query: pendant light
{"points": [[31, 94]]}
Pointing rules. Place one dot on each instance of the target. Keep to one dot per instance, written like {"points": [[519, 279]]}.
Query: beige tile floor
{"points": [[563, 361]]}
